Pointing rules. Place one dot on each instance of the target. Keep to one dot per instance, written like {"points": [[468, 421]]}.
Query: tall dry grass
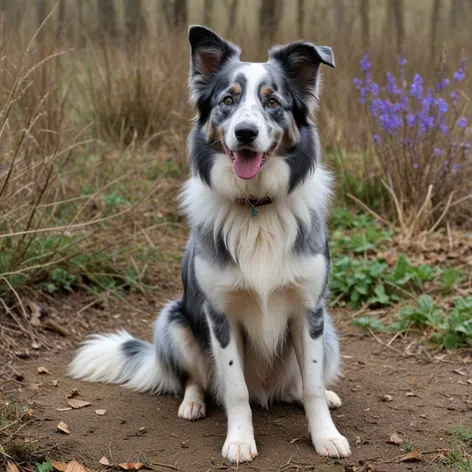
{"points": [[93, 131]]}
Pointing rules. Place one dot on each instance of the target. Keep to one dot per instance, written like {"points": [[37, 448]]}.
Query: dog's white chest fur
{"points": [[268, 282]]}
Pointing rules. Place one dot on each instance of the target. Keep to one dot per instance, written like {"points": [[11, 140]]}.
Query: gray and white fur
{"points": [[251, 325]]}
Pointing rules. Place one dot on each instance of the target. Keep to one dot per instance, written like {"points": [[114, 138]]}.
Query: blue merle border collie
{"points": [[251, 325]]}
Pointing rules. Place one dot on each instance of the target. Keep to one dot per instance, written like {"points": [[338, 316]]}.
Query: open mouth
{"points": [[246, 162]]}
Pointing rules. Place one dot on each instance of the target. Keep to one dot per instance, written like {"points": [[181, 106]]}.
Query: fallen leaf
{"points": [[54, 383], [358, 439], [411, 394], [184, 444], [131, 465], [469, 381], [100, 412], [63, 427], [73, 393], [411, 456], [36, 313], [43, 370], [76, 404], [67, 408], [34, 387], [60, 466], [459, 372], [396, 438], [104, 461], [74, 466], [12, 467], [387, 398]]}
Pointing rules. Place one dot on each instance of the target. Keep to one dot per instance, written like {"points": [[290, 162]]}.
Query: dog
{"points": [[251, 325]]}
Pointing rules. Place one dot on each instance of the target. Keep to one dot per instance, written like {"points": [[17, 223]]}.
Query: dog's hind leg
{"points": [[181, 349], [193, 405]]}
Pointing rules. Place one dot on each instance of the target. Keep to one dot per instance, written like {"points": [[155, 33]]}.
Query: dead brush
{"points": [[63, 222], [139, 93]]}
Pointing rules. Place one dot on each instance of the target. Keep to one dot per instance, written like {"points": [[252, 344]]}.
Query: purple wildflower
{"points": [[416, 89], [376, 138], [437, 152], [462, 122], [402, 61], [365, 63], [411, 119], [460, 74], [457, 166]]}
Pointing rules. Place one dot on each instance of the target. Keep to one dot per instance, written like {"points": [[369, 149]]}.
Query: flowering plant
{"points": [[423, 143]]}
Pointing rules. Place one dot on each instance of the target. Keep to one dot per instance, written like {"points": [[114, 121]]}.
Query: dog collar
{"points": [[253, 203]]}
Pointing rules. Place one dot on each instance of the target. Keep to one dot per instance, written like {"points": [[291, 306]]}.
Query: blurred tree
{"points": [[301, 17], [61, 19], [435, 17], [208, 13], [339, 13], [457, 13], [106, 18], [269, 18], [396, 22], [134, 20], [41, 11], [180, 14], [365, 22]]}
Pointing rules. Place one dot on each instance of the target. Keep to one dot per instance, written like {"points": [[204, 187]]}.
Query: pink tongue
{"points": [[247, 163]]}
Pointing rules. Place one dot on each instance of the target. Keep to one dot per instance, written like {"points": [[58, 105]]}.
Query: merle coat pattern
{"points": [[251, 324]]}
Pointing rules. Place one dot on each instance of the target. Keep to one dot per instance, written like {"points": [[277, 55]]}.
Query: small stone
{"points": [[387, 398]]}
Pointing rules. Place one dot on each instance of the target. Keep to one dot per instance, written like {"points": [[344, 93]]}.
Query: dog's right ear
{"points": [[209, 52]]}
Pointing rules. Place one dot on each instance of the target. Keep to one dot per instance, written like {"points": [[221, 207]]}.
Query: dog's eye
{"points": [[272, 103], [228, 100]]}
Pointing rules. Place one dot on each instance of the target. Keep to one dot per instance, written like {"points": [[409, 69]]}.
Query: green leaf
{"points": [[369, 322], [44, 467], [451, 341]]}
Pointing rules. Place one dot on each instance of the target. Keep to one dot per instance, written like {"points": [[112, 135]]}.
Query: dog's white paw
{"points": [[332, 446], [238, 450], [192, 410], [333, 400]]}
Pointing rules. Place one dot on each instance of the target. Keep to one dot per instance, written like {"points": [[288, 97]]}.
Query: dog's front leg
{"points": [[228, 352], [307, 337]]}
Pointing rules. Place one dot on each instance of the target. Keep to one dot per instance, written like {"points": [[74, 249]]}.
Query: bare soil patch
{"points": [[421, 397]]}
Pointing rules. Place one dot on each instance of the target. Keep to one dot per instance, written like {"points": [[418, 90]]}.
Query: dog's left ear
{"points": [[301, 62], [209, 52]]}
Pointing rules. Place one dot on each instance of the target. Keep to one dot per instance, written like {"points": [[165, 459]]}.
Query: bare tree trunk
{"points": [[106, 18], [457, 14], [41, 11], [134, 20], [435, 14], [301, 17], [339, 13], [269, 16], [61, 19], [180, 14], [399, 21], [365, 22], [41, 14], [208, 13]]}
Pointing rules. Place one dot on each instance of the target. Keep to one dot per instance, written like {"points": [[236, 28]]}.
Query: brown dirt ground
{"points": [[429, 399]]}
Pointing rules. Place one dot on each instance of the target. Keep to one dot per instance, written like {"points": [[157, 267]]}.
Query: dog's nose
{"points": [[246, 133]]}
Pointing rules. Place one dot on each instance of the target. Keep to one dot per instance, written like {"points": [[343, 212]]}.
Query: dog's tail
{"points": [[121, 359]]}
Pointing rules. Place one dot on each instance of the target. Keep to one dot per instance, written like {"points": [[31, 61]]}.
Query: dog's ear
{"points": [[301, 63], [209, 52]]}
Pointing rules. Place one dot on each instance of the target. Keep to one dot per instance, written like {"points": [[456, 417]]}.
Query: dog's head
{"points": [[249, 113]]}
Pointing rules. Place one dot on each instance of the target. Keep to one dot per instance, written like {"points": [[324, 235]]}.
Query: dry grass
{"points": [[92, 140]]}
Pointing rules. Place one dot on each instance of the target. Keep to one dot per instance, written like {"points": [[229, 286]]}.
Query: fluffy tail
{"points": [[121, 359]]}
